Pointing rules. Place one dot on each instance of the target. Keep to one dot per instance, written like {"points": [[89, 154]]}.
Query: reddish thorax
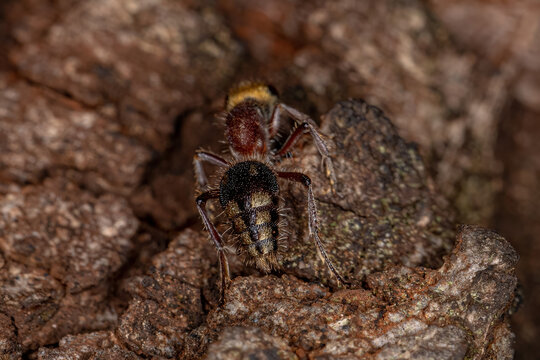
{"points": [[246, 130]]}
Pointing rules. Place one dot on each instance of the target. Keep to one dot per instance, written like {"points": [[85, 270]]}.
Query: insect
{"points": [[248, 190]]}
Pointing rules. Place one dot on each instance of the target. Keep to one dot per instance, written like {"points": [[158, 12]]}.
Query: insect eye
{"points": [[273, 90]]}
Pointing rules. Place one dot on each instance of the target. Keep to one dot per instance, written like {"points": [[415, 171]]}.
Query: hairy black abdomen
{"points": [[248, 193], [245, 178]]}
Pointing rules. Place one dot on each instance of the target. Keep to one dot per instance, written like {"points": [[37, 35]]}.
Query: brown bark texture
{"points": [[429, 110]]}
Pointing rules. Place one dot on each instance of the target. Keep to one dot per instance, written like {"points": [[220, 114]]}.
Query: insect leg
{"points": [[312, 214], [275, 121], [218, 242], [307, 125], [207, 156]]}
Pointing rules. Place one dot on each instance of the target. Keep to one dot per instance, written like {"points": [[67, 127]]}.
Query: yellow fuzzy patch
{"points": [[239, 225], [245, 238], [255, 91], [232, 209], [265, 233], [263, 217], [259, 199]]}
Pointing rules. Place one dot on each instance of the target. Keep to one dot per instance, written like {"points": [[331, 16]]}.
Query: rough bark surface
{"points": [[60, 248], [102, 105]]}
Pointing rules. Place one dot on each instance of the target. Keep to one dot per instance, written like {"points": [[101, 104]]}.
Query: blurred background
{"points": [[459, 78]]}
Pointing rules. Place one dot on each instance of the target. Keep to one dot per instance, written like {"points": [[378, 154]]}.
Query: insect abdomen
{"points": [[249, 194], [255, 223]]}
